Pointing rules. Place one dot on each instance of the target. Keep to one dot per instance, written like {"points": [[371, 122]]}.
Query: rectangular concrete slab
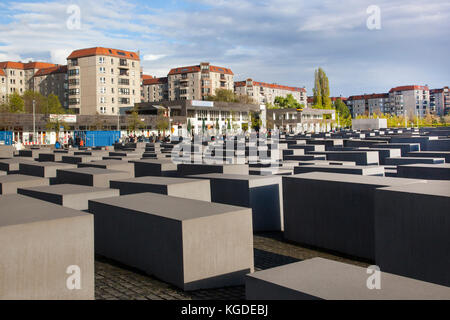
{"points": [[334, 211], [177, 187], [263, 194], [155, 167], [12, 165], [43, 244], [43, 169], [425, 171], [10, 183], [189, 243], [69, 195], [185, 169], [94, 177], [361, 170], [323, 279], [119, 165], [412, 225]]}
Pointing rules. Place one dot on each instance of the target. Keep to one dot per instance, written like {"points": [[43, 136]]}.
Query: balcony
{"points": [[123, 72], [124, 82], [123, 63]]}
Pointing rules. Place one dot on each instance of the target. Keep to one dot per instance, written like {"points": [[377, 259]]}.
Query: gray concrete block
{"points": [[80, 159], [189, 243], [43, 169], [413, 160], [323, 279], [11, 165], [263, 194], [118, 165], [404, 147], [412, 225], [431, 154], [425, 171], [334, 211], [10, 183], [361, 170], [155, 167], [176, 187], [185, 169], [43, 241], [69, 195], [7, 151], [361, 158], [385, 153], [94, 177]]}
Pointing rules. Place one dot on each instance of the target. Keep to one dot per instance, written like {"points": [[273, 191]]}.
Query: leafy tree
{"points": [[245, 127], [321, 90], [256, 121], [287, 102], [189, 126], [134, 122], [162, 122], [343, 113], [223, 95], [40, 102], [15, 103], [54, 106]]}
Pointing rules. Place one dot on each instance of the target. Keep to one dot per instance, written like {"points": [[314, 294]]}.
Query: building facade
{"points": [[411, 100], [155, 89], [440, 101], [369, 104], [198, 82], [262, 92], [52, 81], [101, 80]]}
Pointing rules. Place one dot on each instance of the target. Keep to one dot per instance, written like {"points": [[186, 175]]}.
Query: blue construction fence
{"points": [[6, 137], [97, 138]]}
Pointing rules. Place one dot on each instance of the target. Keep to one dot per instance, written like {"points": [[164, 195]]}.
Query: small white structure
{"points": [[369, 124]]}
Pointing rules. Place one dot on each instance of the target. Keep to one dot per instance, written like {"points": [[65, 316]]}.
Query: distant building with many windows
{"points": [[262, 92]]}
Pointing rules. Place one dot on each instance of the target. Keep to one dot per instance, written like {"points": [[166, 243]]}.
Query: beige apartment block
{"points": [[198, 82], [102, 80], [18, 77], [369, 104], [155, 89], [52, 81], [410, 100], [262, 92]]}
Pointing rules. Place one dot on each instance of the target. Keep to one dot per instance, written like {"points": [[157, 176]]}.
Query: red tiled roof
{"points": [[268, 85], [369, 96], [408, 88], [25, 66], [52, 70], [146, 76], [197, 69], [99, 51], [147, 82], [2, 73]]}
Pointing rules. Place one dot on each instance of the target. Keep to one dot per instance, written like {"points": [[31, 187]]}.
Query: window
{"points": [[102, 109], [102, 70], [102, 89], [74, 72], [102, 100], [101, 60], [102, 80], [74, 91], [112, 71]]}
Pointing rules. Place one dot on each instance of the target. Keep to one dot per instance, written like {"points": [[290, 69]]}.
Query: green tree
{"points": [[343, 113], [287, 102], [134, 122], [321, 90], [189, 126], [162, 122], [40, 102], [223, 95], [256, 121], [15, 103], [54, 105]]}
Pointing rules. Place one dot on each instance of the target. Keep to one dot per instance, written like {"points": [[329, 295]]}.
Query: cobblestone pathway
{"points": [[115, 281]]}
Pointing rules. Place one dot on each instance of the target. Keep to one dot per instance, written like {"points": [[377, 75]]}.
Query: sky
{"points": [[276, 41]]}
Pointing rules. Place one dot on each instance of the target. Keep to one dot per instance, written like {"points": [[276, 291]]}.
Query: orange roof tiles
{"points": [[269, 85], [25, 66], [2, 73], [52, 70], [146, 76], [407, 88], [197, 69], [11, 65], [100, 51], [147, 82]]}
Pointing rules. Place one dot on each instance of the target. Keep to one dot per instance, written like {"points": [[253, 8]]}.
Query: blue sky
{"points": [[279, 41]]}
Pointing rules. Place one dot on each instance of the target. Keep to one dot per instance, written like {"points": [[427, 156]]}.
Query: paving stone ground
{"points": [[114, 281]]}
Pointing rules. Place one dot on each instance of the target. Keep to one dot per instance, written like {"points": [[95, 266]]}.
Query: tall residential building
{"points": [[155, 89], [52, 81], [368, 104], [101, 80], [412, 100], [18, 77], [440, 101], [198, 82], [262, 92]]}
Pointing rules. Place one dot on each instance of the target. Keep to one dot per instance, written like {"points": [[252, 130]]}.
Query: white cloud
{"points": [[153, 57]]}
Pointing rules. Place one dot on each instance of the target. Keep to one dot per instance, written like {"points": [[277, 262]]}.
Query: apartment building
{"points": [[155, 89], [440, 101], [410, 100], [52, 81], [19, 77], [102, 80], [198, 82], [262, 92], [310, 100], [368, 104]]}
